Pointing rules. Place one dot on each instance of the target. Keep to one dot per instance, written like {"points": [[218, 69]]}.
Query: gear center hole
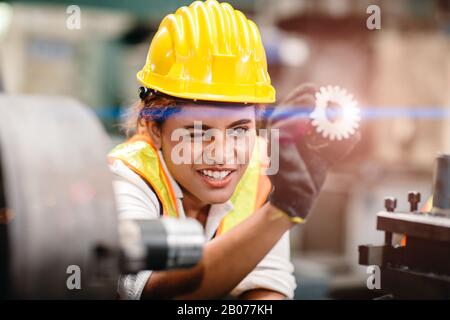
{"points": [[334, 112]]}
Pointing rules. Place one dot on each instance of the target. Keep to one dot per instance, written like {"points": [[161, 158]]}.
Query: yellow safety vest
{"points": [[140, 155]]}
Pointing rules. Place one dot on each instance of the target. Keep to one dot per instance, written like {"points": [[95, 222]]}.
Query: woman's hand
{"points": [[304, 155]]}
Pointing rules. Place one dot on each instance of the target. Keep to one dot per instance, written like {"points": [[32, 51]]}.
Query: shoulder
{"points": [[134, 198]]}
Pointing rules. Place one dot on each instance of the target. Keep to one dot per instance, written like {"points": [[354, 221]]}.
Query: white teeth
{"points": [[216, 175]]}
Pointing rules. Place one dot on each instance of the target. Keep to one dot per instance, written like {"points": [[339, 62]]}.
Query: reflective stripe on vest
{"points": [[140, 156]]}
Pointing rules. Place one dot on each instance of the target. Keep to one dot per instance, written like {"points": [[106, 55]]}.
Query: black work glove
{"points": [[304, 155]]}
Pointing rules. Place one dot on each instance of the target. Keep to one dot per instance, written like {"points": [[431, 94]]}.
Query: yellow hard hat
{"points": [[208, 51]]}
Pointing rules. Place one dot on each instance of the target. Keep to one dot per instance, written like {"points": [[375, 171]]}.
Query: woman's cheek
{"points": [[244, 148]]}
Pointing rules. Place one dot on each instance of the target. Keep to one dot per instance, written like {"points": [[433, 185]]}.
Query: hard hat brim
{"points": [[221, 92]]}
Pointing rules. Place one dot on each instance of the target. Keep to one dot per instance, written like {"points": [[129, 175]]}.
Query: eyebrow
{"points": [[234, 124], [239, 122]]}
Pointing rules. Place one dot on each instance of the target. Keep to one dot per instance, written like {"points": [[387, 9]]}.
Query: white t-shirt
{"points": [[136, 200]]}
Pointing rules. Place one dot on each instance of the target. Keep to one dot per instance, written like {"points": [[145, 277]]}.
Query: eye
{"points": [[238, 132]]}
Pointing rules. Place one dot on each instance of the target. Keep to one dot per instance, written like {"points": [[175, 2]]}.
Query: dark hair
{"points": [[152, 107], [157, 107]]}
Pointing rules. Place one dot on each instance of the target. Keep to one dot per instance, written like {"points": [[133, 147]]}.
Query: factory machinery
{"points": [[419, 266], [57, 209]]}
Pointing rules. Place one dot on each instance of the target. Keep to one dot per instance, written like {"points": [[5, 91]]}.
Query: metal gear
{"points": [[348, 122]]}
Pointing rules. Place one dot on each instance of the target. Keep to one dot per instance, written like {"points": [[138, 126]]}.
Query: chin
{"points": [[218, 197]]}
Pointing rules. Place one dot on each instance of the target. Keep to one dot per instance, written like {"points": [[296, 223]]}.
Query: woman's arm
{"points": [[262, 294], [273, 274], [226, 259]]}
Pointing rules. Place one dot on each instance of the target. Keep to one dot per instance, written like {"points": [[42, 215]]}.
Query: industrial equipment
{"points": [[57, 209], [418, 267]]}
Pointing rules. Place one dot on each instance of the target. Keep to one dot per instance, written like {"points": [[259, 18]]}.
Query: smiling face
{"points": [[213, 144]]}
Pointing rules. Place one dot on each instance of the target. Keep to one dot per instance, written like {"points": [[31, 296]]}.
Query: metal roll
{"points": [[160, 244], [59, 206], [58, 218]]}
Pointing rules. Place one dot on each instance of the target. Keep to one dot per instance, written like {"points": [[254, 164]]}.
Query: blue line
{"points": [[366, 113]]}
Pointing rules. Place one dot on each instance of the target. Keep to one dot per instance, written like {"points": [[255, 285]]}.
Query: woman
{"points": [[196, 153]]}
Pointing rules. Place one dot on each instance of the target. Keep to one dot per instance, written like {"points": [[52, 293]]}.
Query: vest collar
{"points": [[175, 186]]}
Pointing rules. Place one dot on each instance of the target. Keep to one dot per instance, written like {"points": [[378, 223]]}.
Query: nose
{"points": [[223, 151]]}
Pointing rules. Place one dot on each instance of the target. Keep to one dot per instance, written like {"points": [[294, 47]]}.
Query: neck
{"points": [[194, 208]]}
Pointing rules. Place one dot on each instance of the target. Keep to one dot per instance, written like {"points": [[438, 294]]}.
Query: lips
{"points": [[216, 178]]}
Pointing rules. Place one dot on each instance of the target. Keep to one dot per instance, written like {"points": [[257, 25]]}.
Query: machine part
{"points": [[160, 244], [413, 199], [59, 202], [57, 208], [345, 114], [423, 225], [441, 186], [419, 268], [390, 203]]}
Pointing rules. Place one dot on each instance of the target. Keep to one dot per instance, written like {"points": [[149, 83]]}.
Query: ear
{"points": [[154, 131]]}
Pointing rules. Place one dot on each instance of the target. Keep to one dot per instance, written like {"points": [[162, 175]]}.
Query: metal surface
{"points": [[160, 244], [419, 267], [57, 210], [418, 225], [59, 197], [419, 270], [441, 186], [184, 242]]}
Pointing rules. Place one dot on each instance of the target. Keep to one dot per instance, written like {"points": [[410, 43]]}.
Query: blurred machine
{"points": [[419, 267], [57, 208]]}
